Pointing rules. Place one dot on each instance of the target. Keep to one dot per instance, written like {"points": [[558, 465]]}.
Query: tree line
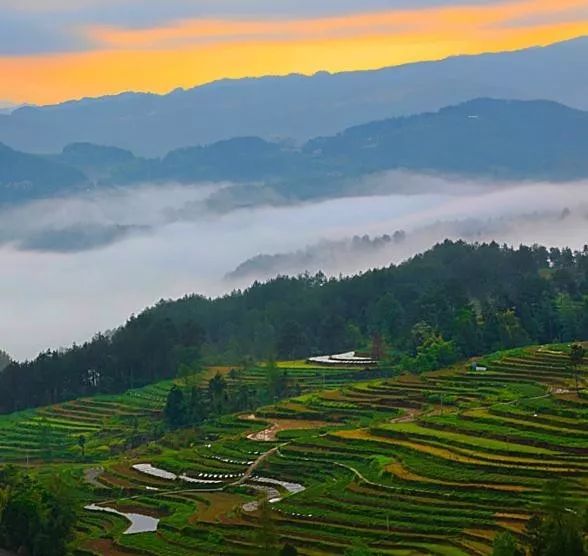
{"points": [[456, 300], [189, 404]]}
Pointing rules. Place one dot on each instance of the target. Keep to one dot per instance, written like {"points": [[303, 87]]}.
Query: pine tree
{"points": [[175, 408]]}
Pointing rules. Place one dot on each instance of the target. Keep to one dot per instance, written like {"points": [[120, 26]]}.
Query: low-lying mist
{"points": [[74, 266]]}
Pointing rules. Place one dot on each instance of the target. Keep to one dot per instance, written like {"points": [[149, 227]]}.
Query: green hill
{"points": [[454, 301]]}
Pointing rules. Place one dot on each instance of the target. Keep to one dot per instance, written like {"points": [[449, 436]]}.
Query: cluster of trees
{"points": [[480, 298], [455, 300], [559, 530], [150, 347], [577, 354], [35, 519], [191, 405], [5, 360]]}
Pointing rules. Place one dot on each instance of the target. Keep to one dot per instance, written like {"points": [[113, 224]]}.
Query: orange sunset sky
{"points": [[53, 50]]}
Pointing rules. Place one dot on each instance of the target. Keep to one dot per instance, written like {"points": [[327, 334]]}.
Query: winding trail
{"points": [[408, 417], [166, 492], [256, 464], [91, 477]]}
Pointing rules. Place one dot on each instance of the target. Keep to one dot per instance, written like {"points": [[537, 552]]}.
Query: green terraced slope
{"points": [[432, 464]]}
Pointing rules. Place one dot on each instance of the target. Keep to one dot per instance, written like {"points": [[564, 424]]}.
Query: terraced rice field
{"points": [[309, 377], [53, 432], [429, 464], [111, 423]]}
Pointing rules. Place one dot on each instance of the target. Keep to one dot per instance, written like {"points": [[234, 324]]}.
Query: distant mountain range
{"points": [[483, 138], [299, 107], [27, 176]]}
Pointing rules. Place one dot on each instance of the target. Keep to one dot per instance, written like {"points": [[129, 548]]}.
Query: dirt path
{"points": [[550, 390], [256, 464], [409, 416], [266, 435], [91, 477], [171, 491], [166, 492], [269, 434]]}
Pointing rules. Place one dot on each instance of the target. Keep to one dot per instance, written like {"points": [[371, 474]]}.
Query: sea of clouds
{"points": [[78, 265]]}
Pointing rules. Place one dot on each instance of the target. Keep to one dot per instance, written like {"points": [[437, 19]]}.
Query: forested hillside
{"points": [[455, 300], [497, 138]]}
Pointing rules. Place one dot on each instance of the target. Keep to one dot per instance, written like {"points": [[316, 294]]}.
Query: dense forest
{"points": [[453, 301]]}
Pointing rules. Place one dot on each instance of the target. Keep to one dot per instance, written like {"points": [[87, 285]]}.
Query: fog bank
{"points": [[72, 267]]}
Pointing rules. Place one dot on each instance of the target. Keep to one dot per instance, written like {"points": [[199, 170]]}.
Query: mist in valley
{"points": [[78, 265]]}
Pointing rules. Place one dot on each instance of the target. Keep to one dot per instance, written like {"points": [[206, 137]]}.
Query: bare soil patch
{"points": [[270, 433]]}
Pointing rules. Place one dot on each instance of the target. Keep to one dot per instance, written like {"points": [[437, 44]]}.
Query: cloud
{"points": [[441, 20], [351, 255], [90, 221], [129, 12], [166, 251], [22, 35], [532, 213]]}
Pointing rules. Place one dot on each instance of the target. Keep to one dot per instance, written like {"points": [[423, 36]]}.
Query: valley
{"points": [[294, 278]]}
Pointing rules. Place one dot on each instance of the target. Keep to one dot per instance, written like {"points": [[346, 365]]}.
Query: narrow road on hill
{"points": [[91, 477], [256, 464], [265, 435], [362, 478], [409, 416]]}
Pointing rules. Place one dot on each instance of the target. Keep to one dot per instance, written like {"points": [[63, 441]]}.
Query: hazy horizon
{"points": [[104, 48]]}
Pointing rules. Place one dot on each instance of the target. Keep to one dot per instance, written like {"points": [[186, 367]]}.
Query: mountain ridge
{"points": [[484, 138], [232, 80], [322, 104]]}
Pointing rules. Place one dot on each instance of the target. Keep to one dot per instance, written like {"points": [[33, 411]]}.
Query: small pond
{"points": [[139, 523]]}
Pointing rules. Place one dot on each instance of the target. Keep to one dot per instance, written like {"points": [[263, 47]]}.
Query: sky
{"points": [[55, 50]]}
